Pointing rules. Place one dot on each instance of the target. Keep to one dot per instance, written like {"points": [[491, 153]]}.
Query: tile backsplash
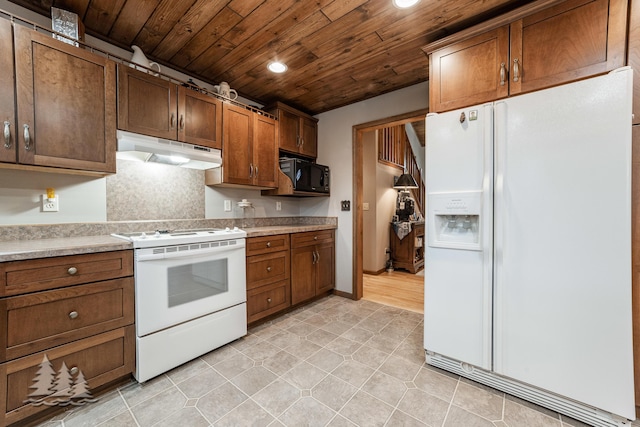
{"points": [[144, 191]]}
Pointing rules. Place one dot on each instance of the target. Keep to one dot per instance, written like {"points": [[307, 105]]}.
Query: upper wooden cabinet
{"points": [[298, 131], [7, 95], [569, 41], [66, 103], [249, 152], [152, 106]]}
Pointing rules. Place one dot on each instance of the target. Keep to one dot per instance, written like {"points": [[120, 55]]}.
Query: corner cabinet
{"points": [[73, 311], [572, 40], [249, 153], [156, 107], [65, 103], [313, 264], [298, 130]]}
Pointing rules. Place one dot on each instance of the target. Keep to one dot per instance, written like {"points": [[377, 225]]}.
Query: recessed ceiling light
{"points": [[277, 67], [403, 4]]}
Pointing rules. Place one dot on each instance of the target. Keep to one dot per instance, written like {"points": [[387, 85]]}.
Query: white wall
{"points": [[335, 149]]}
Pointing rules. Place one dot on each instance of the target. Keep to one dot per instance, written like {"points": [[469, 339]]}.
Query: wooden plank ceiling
{"points": [[338, 51]]}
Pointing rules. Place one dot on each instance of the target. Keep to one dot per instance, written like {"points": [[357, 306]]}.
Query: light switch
{"points": [[365, 206]]}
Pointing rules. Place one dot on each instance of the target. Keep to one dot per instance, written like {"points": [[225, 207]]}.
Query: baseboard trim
{"points": [[374, 273], [343, 294]]}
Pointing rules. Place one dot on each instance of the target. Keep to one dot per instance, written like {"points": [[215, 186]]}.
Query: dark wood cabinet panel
{"points": [[265, 151], [66, 104], [146, 104], [303, 274], [313, 264], [237, 142], [267, 244], [8, 133], [470, 72], [200, 118], [267, 268], [298, 132], [572, 40]]}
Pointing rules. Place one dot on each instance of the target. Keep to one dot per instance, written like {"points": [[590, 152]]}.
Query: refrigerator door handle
{"points": [[499, 223]]}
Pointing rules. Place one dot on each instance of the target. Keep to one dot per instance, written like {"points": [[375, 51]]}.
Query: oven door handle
{"points": [[185, 254]]}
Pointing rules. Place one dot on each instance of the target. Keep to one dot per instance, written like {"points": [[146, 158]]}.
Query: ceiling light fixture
{"points": [[277, 67], [403, 4]]}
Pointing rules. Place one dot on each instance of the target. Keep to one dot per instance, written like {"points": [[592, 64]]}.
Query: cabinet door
{"points": [[66, 104], [289, 138], [146, 104], [237, 139], [303, 274], [470, 72], [200, 118], [265, 151], [309, 143], [325, 267], [7, 95], [573, 40]]}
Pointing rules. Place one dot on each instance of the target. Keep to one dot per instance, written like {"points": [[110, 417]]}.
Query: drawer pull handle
{"points": [[268, 244], [72, 270], [269, 269], [268, 300], [73, 315], [7, 135], [516, 70], [503, 74], [27, 138], [74, 370]]}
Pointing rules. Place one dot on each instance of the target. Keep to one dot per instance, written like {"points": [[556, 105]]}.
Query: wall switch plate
{"points": [[227, 205], [346, 205], [278, 206], [50, 205], [365, 206]]}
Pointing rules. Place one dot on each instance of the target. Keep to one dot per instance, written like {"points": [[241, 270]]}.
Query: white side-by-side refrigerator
{"points": [[528, 256]]}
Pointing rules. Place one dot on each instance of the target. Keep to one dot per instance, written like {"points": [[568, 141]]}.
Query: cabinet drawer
{"points": [[267, 300], [267, 268], [47, 319], [101, 359], [267, 244], [20, 277], [311, 238]]}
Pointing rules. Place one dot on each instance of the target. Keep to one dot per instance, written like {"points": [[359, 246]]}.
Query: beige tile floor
{"points": [[335, 362]]}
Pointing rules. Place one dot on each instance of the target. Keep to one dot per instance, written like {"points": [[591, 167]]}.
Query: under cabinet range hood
{"points": [[133, 146]]}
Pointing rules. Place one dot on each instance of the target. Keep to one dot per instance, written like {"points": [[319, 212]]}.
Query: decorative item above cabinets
{"points": [[298, 130], [58, 106], [540, 47]]}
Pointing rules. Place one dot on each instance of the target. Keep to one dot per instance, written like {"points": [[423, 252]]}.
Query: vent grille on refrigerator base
{"points": [[570, 408]]}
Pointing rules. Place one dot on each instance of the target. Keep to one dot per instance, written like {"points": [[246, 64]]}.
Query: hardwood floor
{"points": [[398, 289]]}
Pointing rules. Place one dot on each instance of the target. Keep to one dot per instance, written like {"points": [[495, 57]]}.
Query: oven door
{"points": [[176, 284]]}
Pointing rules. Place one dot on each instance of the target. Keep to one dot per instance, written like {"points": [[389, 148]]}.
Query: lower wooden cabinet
{"points": [[284, 270], [268, 268], [313, 261], [68, 328]]}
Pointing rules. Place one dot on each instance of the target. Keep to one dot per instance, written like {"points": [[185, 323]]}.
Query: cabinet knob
{"points": [[269, 269], [268, 300], [315, 237], [74, 370], [72, 271], [268, 244], [73, 315]]}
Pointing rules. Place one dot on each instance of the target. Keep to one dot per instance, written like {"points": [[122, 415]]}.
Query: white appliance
{"points": [[528, 261], [190, 291], [143, 148]]}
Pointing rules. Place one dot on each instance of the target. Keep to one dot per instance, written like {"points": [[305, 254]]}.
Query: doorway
{"points": [[359, 139]]}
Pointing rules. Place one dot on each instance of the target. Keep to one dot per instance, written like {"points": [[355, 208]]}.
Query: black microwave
{"points": [[306, 175]]}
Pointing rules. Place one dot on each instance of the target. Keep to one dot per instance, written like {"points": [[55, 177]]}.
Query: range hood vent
{"points": [[133, 146]]}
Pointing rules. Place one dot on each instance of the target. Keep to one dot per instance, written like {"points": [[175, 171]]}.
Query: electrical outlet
{"points": [[227, 205], [50, 205], [278, 206]]}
